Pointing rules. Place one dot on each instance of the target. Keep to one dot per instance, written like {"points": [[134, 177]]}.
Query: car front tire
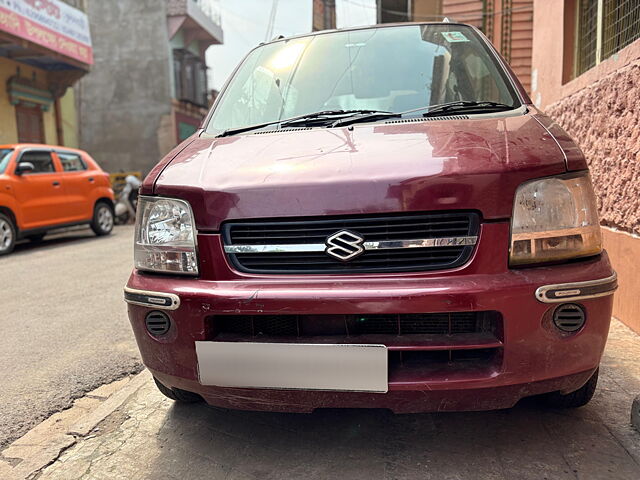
{"points": [[176, 394], [576, 399], [102, 222], [8, 234]]}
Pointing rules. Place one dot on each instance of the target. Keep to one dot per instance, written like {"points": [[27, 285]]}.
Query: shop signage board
{"points": [[50, 23]]}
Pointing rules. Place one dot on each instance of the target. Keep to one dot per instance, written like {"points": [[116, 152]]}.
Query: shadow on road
{"points": [[61, 239], [524, 442]]}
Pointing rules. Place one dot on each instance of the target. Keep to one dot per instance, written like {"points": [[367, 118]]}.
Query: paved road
{"points": [[527, 442], [63, 327]]}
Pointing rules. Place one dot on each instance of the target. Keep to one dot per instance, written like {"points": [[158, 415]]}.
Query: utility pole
{"points": [[272, 21], [324, 14]]}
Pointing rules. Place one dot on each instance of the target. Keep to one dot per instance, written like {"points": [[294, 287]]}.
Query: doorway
{"points": [[30, 125]]}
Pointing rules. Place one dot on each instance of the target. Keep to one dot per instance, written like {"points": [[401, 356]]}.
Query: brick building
{"points": [[324, 15]]}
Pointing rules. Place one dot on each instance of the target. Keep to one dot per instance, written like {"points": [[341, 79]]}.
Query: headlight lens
{"points": [[555, 219], [165, 236]]}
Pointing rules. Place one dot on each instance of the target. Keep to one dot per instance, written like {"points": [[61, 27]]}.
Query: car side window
{"points": [[71, 162], [42, 162]]}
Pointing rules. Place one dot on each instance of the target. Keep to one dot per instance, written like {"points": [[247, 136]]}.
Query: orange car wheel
{"points": [[7, 234]]}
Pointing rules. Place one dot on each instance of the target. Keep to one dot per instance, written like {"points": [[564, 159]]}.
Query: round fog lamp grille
{"points": [[569, 317], [157, 323]]}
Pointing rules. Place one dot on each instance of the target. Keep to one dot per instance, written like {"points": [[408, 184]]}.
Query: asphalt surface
{"points": [[63, 328], [150, 437]]}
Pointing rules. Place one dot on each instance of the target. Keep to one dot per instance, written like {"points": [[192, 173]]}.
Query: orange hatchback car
{"points": [[45, 187]]}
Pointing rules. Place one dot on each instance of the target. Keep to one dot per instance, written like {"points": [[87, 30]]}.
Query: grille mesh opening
{"points": [[421, 346], [454, 323]]}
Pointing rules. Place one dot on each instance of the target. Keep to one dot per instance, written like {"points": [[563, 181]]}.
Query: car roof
{"points": [[365, 27], [43, 146]]}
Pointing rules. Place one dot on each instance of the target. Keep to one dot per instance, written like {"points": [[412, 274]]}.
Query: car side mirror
{"points": [[25, 167]]}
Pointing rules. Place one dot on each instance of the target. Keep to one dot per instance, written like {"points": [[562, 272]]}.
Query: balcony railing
{"points": [[211, 9]]}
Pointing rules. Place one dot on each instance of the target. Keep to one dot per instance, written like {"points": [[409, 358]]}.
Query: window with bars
{"points": [[603, 27], [621, 25]]}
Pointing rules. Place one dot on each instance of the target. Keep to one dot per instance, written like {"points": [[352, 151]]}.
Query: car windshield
{"points": [[391, 69], [5, 155]]}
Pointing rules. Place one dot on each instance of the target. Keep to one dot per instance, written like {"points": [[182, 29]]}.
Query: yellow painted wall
{"points": [[69, 118], [49, 121], [8, 128]]}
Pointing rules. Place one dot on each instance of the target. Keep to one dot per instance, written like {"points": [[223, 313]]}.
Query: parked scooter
{"points": [[127, 201]]}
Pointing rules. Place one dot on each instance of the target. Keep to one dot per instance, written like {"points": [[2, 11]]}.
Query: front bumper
{"points": [[534, 357]]}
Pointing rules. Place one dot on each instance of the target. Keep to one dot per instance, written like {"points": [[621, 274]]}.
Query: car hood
{"points": [[400, 166]]}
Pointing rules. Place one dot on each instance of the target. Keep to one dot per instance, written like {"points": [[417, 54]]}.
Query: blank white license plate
{"points": [[355, 368]]}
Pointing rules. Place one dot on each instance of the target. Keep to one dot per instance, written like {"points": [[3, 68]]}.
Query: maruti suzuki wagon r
{"points": [[373, 217]]}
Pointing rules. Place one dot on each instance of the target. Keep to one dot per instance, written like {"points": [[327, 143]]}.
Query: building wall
{"points": [[521, 40], [8, 127], [466, 11], [324, 15], [599, 109], [426, 10], [510, 28], [69, 118], [125, 101], [49, 123]]}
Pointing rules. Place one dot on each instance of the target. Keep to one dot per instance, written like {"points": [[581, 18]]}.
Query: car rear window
{"points": [[71, 162]]}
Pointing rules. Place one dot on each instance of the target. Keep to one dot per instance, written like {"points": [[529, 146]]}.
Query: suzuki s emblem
{"points": [[344, 245]]}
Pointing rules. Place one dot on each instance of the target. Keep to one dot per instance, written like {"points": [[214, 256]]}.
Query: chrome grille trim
{"points": [[381, 245]]}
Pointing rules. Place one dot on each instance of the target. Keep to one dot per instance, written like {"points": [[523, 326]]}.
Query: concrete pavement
{"points": [[150, 437], [64, 324]]}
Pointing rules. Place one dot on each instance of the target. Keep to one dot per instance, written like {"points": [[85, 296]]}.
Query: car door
{"points": [[77, 182], [39, 192]]}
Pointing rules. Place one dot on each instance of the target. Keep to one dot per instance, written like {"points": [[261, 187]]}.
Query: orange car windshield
{"points": [[5, 155]]}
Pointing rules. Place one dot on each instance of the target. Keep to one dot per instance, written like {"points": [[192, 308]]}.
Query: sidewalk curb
{"points": [[87, 423], [635, 413], [41, 446]]}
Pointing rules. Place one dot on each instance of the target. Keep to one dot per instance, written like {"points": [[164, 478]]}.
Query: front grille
{"points": [[315, 231], [304, 326]]}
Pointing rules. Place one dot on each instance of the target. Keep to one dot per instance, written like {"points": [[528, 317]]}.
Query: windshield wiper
{"points": [[326, 115], [300, 119], [466, 105], [441, 109], [364, 116], [359, 116]]}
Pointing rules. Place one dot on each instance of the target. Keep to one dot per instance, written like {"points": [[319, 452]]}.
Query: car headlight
{"points": [[165, 238], [554, 219]]}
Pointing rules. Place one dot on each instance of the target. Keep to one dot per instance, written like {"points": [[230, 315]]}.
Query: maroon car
{"points": [[374, 217]]}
